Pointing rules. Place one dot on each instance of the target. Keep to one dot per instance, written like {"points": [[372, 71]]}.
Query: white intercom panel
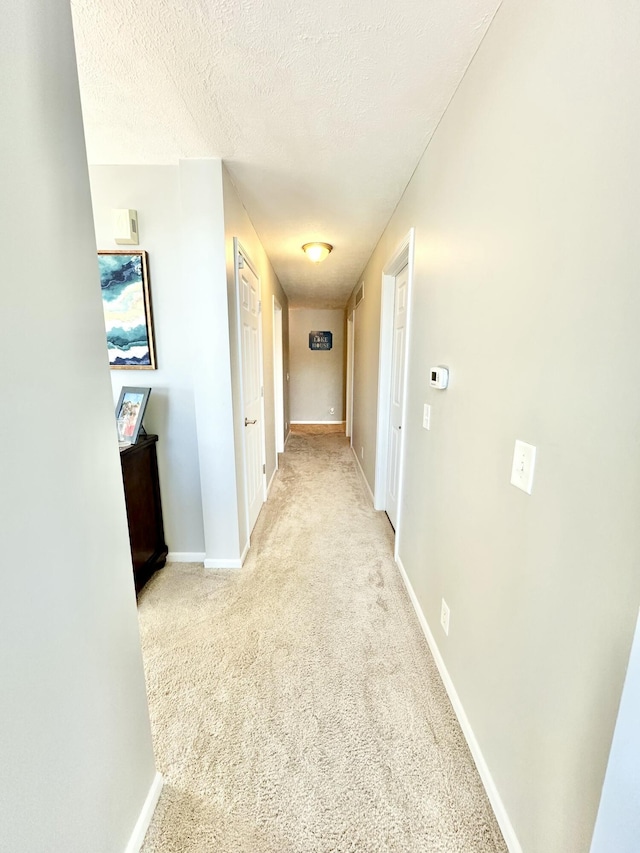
{"points": [[125, 227]]}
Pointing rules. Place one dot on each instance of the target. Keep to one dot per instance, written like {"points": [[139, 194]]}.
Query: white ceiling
{"points": [[320, 110]]}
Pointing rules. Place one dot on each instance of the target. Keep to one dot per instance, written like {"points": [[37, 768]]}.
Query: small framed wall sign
{"points": [[126, 300], [320, 340]]}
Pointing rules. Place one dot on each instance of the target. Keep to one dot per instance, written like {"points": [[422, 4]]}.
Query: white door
{"points": [[397, 391], [278, 377], [349, 394], [249, 304]]}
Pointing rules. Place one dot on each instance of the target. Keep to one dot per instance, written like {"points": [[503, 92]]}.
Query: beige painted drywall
{"points": [[526, 213], [154, 191], [75, 740], [186, 212], [317, 376], [205, 285], [238, 225]]}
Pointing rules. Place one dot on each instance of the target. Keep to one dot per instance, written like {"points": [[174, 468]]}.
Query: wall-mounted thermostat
{"points": [[439, 377]]}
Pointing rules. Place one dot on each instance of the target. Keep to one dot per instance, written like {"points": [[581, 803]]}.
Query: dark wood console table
{"points": [[144, 508]]}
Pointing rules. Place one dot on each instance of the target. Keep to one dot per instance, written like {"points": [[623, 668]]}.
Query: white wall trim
{"points": [[142, 824], [364, 479], [317, 423], [231, 563], [287, 438], [495, 799], [273, 476], [186, 557]]}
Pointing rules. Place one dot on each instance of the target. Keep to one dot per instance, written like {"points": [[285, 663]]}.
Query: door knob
{"points": [[247, 422]]}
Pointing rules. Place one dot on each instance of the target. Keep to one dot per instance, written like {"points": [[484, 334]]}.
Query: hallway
{"points": [[295, 706]]}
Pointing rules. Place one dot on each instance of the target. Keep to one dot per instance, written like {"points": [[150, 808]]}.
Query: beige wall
{"points": [[154, 191], [526, 284], [205, 287], [317, 377], [189, 215], [237, 224], [75, 740]]}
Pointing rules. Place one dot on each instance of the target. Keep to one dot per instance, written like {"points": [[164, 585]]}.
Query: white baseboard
{"points": [[287, 439], [185, 557], [495, 799], [232, 563], [235, 563], [317, 423], [142, 824], [364, 479]]}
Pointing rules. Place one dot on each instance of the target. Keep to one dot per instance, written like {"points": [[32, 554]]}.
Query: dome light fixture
{"points": [[317, 252]]}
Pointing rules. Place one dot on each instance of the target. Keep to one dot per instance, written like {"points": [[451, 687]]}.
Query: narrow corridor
{"points": [[295, 705]]}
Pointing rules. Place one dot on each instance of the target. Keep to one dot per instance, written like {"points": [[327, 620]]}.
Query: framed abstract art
{"points": [[126, 300]]}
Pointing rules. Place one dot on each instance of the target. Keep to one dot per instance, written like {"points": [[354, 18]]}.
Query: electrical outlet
{"points": [[332, 411], [426, 416], [444, 617]]}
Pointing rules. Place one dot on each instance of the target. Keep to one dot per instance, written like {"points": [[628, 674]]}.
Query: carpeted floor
{"points": [[295, 705]]}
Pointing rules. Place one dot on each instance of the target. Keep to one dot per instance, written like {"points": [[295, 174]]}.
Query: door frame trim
{"points": [[238, 249], [403, 256]]}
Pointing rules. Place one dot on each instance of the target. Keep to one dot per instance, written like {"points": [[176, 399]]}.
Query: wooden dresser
{"points": [[144, 508]]}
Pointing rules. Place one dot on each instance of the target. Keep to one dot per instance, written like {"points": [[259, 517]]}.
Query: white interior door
{"points": [[397, 391], [250, 342], [349, 394], [278, 377]]}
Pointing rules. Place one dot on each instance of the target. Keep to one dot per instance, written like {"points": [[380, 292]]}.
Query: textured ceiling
{"points": [[320, 110]]}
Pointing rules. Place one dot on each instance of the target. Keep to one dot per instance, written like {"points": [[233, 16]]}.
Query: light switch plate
{"points": [[524, 461], [426, 416]]}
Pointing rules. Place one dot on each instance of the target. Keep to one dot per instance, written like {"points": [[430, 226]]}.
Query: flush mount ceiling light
{"points": [[317, 252]]}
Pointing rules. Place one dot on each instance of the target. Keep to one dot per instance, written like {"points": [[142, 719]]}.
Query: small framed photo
{"points": [[126, 301], [130, 412]]}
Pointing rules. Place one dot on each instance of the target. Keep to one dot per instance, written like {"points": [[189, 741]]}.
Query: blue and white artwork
{"points": [[127, 312]]}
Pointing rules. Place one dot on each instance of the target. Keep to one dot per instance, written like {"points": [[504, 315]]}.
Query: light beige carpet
{"points": [[294, 703]]}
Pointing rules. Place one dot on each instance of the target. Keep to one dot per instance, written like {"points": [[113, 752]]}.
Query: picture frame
{"points": [[130, 410], [126, 302]]}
